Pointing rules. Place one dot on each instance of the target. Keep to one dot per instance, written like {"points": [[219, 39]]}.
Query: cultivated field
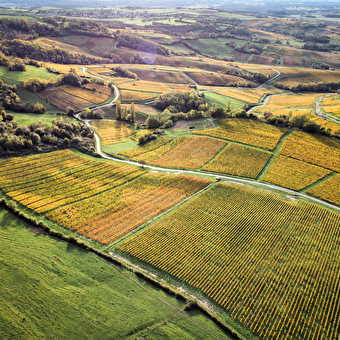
{"points": [[112, 214], [294, 174], [72, 177], [291, 102], [192, 153], [135, 96], [314, 149], [145, 86], [250, 95], [160, 76], [63, 100], [204, 78], [247, 132], [269, 261], [239, 160], [155, 144], [101, 94], [112, 132], [328, 190]]}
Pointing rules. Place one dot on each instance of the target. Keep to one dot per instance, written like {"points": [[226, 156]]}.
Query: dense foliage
{"points": [[15, 139]]}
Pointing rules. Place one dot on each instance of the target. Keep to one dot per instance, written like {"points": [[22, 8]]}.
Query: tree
{"points": [[132, 113], [118, 110], [70, 111], [125, 113]]}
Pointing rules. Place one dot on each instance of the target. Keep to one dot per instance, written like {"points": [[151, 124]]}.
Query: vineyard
{"points": [[160, 151], [101, 94], [73, 178], [112, 214], [314, 149], [204, 78], [329, 190], [250, 95], [191, 153], [160, 76], [270, 262], [290, 102], [239, 160], [63, 100], [294, 174], [146, 86], [247, 132], [112, 132], [135, 96]]}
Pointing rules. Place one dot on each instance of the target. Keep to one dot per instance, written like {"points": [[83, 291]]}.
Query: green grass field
{"points": [[25, 119], [214, 98], [51, 289], [18, 77]]}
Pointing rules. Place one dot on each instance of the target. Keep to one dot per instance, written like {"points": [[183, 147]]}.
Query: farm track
{"points": [[193, 172]]}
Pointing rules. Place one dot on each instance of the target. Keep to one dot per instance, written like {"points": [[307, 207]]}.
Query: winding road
{"points": [[194, 172]]}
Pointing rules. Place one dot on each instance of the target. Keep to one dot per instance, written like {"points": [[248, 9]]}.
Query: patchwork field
{"points": [[299, 76], [93, 45], [160, 76], [314, 149], [290, 102], [112, 132], [294, 174], [328, 190], [153, 145], [239, 160], [247, 132], [191, 153], [145, 86], [250, 95], [63, 100], [204, 78], [101, 94], [135, 96], [246, 235], [114, 213], [72, 178]]}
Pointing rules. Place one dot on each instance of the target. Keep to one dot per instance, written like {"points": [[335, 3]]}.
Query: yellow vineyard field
{"points": [[239, 160], [147, 147], [91, 96], [289, 101], [146, 86], [249, 95], [334, 100], [112, 132], [294, 174], [63, 100], [314, 149], [177, 87], [135, 96], [270, 262], [48, 189], [192, 153], [247, 132], [329, 190], [114, 213], [148, 157]]}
